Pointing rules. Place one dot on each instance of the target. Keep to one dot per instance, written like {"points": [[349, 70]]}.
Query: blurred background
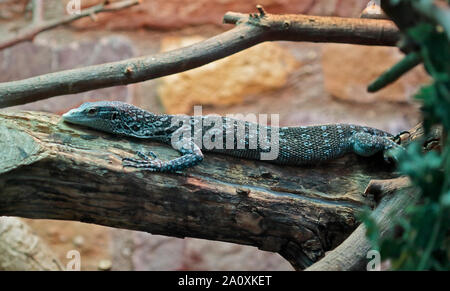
{"points": [[304, 83]]}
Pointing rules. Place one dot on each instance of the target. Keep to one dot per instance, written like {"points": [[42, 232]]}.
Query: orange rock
{"points": [[226, 81], [349, 69]]}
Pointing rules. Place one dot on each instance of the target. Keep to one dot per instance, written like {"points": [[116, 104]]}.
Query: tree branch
{"points": [[38, 25], [250, 31], [299, 27], [51, 170]]}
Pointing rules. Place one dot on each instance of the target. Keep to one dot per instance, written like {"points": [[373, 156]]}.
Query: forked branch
{"points": [[250, 30]]}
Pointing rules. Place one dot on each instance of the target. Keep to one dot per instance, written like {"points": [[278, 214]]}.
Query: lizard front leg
{"points": [[191, 156], [366, 145]]}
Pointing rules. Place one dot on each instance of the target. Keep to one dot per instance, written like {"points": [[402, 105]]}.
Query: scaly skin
{"points": [[296, 145]]}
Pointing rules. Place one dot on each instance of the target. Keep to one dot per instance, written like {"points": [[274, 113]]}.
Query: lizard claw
{"points": [[144, 159], [149, 156], [134, 164], [151, 166]]}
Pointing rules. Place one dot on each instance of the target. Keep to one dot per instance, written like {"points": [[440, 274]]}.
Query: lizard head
{"points": [[102, 115], [119, 118]]}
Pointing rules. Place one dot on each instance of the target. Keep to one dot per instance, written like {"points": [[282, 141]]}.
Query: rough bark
{"points": [[51, 170], [351, 254], [249, 32]]}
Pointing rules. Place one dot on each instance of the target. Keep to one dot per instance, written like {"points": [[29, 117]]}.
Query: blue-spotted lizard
{"points": [[191, 135]]}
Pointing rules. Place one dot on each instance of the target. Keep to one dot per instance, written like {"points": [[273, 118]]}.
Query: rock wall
{"points": [[228, 81], [348, 69]]}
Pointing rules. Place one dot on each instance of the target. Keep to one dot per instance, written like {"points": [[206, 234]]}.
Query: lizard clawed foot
{"points": [[129, 164], [153, 165], [145, 157], [146, 161], [149, 156]]}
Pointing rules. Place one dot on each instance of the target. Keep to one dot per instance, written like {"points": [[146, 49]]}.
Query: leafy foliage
{"points": [[421, 240]]}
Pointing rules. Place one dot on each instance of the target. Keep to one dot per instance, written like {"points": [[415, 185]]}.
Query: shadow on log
{"points": [[51, 170]]}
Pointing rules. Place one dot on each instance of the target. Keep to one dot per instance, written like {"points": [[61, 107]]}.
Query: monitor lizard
{"points": [[300, 145]]}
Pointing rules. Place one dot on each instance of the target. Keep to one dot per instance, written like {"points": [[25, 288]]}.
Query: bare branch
{"points": [[38, 25], [250, 31], [299, 27]]}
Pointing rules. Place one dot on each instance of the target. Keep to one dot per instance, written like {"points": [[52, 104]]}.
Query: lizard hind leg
{"points": [[366, 145]]}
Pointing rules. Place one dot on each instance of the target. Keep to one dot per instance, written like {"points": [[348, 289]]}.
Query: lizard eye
{"points": [[92, 111]]}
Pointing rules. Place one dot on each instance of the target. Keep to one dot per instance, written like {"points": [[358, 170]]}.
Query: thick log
{"points": [[49, 169]]}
